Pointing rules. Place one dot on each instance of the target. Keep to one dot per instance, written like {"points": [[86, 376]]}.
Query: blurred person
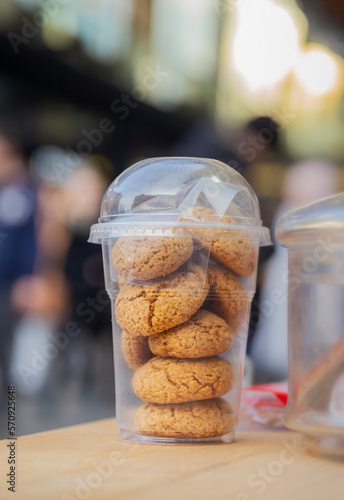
{"points": [[50, 168], [259, 141], [259, 153], [40, 299], [305, 182], [17, 239], [203, 140], [68, 276], [89, 307]]}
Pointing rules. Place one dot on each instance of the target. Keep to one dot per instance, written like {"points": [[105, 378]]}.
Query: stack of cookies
{"points": [[173, 334]]}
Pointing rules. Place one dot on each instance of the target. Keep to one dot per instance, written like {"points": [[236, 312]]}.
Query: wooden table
{"points": [[88, 462]]}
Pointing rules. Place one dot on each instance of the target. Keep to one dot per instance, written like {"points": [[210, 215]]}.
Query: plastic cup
{"points": [[180, 240]]}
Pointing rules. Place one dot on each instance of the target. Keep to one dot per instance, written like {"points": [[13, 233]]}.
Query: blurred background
{"points": [[88, 87]]}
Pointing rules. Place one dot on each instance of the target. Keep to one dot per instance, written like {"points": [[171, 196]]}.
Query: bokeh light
{"points": [[266, 42], [317, 71]]}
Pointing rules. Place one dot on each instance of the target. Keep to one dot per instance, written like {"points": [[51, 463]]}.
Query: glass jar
{"points": [[314, 237]]}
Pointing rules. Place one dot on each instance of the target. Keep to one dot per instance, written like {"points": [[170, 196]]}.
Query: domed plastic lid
{"points": [[152, 196], [312, 222]]}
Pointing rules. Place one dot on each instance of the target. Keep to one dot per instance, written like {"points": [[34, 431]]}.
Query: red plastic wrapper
{"points": [[262, 406]]}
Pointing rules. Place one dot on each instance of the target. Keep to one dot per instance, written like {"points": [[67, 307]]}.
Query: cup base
{"points": [[330, 446], [131, 436]]}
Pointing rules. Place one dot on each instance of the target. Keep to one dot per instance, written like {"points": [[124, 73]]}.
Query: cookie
{"points": [[204, 334], [238, 255], [174, 380], [224, 283], [147, 258], [135, 349], [316, 389], [229, 299], [144, 310], [199, 419], [233, 312]]}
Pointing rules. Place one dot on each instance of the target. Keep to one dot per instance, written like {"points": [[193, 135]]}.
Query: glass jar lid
{"points": [[313, 221]]}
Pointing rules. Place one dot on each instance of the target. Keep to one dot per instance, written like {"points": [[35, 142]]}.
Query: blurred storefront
{"points": [[68, 64]]}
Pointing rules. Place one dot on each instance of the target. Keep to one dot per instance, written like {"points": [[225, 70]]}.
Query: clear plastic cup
{"points": [[180, 240], [315, 240]]}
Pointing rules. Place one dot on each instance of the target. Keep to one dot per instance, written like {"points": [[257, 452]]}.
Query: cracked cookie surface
{"points": [[135, 349], [204, 334], [199, 419], [238, 255], [174, 380], [145, 310], [147, 258]]}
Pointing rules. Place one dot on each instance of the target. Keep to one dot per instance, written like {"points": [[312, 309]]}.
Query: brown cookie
{"points": [[199, 419], [135, 349], [315, 390], [147, 258], [144, 310], [228, 299], [225, 245], [173, 380], [224, 283], [234, 313], [204, 334]]}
